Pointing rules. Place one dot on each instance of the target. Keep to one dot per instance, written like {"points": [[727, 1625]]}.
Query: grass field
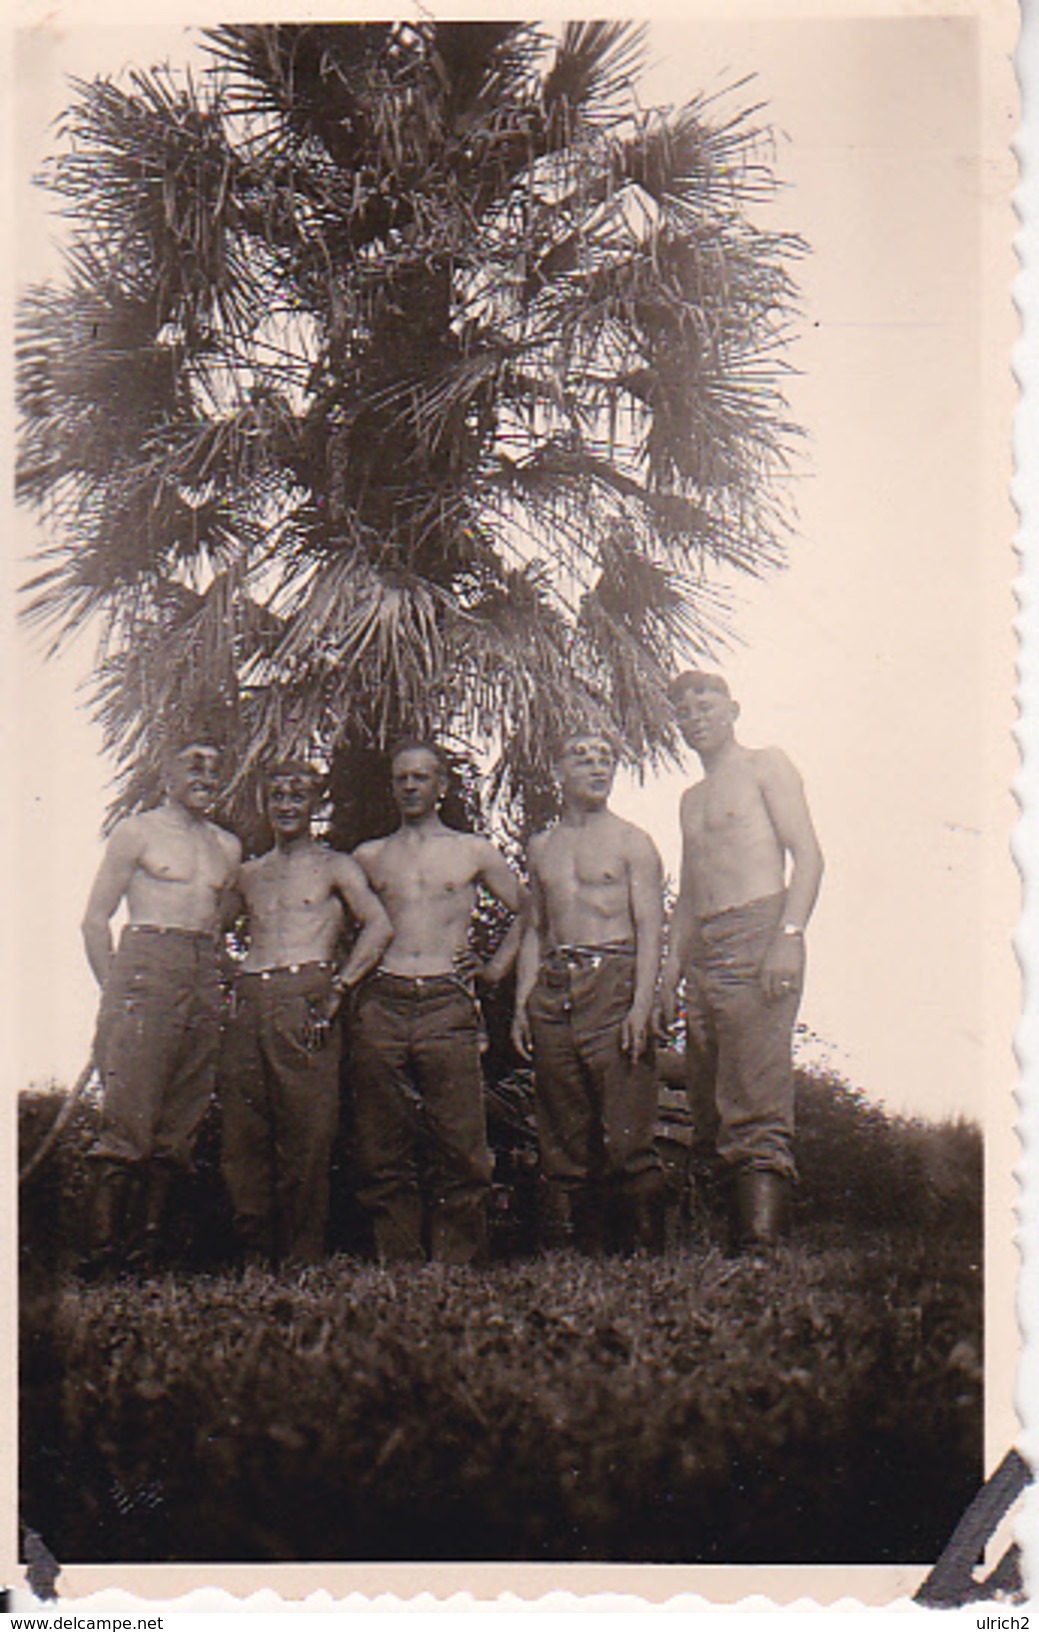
{"points": [[824, 1407]]}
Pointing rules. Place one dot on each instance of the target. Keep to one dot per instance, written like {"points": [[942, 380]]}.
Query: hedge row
{"points": [[857, 1165], [826, 1407]]}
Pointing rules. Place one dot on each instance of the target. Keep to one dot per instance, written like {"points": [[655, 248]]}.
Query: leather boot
{"points": [[397, 1228], [156, 1197], [555, 1218], [711, 1204], [254, 1239], [642, 1215], [114, 1183], [588, 1212], [458, 1230], [762, 1209], [648, 1232]]}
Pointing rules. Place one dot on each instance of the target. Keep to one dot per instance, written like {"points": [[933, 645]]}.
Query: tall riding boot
{"points": [[160, 1178], [397, 1227], [588, 1210], [458, 1228], [762, 1209], [254, 1237], [710, 1203], [555, 1217], [637, 1214], [106, 1251], [648, 1217]]}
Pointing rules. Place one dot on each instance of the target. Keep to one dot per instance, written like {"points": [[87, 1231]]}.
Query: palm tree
{"points": [[404, 377]]}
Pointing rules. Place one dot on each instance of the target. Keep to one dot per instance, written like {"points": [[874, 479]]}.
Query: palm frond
{"points": [[406, 373], [595, 67]]}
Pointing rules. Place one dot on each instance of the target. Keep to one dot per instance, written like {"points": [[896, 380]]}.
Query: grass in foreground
{"points": [[826, 1407]]}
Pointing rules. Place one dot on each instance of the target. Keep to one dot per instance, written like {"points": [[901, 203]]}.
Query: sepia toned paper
{"points": [[882, 658]]}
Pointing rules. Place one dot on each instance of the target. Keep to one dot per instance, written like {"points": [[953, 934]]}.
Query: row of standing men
{"points": [[176, 1016]]}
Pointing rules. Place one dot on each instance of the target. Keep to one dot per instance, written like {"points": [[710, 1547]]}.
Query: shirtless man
{"points": [[584, 993], [280, 1062], [419, 1119], [159, 1021], [737, 939]]}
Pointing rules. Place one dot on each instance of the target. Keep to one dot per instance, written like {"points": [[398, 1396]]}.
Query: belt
{"points": [[282, 969], [172, 931], [724, 929], [761, 908], [423, 983], [587, 957]]}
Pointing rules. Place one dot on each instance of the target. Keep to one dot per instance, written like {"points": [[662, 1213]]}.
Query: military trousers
{"points": [[738, 1042], [424, 1167], [156, 1044], [280, 1102], [596, 1107]]}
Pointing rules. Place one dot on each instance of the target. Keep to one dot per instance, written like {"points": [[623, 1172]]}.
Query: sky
{"points": [[877, 659]]}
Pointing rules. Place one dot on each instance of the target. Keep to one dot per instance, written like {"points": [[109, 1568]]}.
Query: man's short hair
{"points": [[175, 743], [696, 680], [588, 728], [292, 767], [281, 769], [423, 745]]}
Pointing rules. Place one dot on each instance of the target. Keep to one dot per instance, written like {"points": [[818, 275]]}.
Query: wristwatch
{"points": [[793, 929]]}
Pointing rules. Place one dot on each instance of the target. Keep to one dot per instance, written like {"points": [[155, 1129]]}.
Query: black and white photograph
{"points": [[512, 650]]}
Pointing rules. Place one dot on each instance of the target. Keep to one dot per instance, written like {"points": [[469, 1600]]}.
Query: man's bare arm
{"points": [[376, 931], [121, 856], [784, 796], [504, 884], [364, 856], [533, 930], [646, 881], [680, 932], [232, 901], [232, 905]]}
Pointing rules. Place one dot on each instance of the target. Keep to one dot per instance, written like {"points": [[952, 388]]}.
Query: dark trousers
{"points": [[596, 1108], [419, 1121], [280, 1099], [738, 1048], [156, 1044]]}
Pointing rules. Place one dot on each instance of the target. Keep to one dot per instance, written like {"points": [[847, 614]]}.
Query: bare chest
{"points": [[729, 808], [577, 865], [193, 860], [299, 886], [424, 875]]}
